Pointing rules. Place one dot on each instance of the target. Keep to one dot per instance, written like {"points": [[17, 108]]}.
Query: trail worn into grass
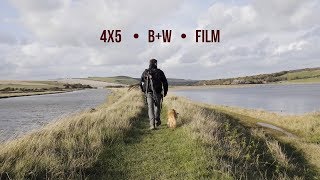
{"points": [[155, 154]]}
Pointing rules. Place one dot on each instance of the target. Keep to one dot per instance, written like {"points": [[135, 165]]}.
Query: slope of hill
{"points": [[307, 75]]}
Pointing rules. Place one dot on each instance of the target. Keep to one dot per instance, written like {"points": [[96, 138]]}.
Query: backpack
{"points": [[152, 81]]}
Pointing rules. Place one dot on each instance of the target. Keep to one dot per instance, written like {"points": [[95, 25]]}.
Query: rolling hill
{"points": [[307, 75]]}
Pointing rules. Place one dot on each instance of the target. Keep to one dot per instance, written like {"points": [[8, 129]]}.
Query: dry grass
{"points": [[306, 127], [278, 153], [244, 153], [67, 148]]}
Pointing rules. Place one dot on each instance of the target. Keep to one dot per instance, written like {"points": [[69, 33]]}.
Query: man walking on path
{"points": [[153, 83]]}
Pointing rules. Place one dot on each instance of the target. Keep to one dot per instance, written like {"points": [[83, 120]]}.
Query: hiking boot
{"points": [[158, 123]]}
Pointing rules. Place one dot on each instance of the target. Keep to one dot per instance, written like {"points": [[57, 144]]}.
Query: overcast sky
{"points": [[45, 39]]}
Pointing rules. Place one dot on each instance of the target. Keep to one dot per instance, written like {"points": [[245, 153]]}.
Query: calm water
{"points": [[290, 99], [22, 114]]}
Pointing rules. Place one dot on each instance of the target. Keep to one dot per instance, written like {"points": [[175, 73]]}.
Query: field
{"points": [[211, 142]]}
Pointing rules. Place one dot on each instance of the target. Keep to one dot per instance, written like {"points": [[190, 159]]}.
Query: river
{"points": [[19, 115], [287, 99]]}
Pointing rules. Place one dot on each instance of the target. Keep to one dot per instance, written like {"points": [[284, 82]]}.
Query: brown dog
{"points": [[172, 118]]}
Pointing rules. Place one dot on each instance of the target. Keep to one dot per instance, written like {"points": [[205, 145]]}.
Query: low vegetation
{"points": [[76, 86], [113, 142]]}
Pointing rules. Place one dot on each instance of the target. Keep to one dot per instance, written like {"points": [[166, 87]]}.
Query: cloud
{"points": [[61, 38], [81, 22], [263, 36], [294, 46]]}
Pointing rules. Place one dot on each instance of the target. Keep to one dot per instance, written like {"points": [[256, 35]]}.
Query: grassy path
{"points": [[156, 154]]}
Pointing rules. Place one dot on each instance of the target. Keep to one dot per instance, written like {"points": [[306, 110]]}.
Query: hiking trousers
{"points": [[154, 108]]}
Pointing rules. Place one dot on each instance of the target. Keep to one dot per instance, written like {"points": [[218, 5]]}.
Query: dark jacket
{"points": [[158, 78]]}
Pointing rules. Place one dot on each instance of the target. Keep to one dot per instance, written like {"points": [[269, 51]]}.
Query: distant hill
{"points": [[181, 82], [310, 75], [307, 75], [126, 80]]}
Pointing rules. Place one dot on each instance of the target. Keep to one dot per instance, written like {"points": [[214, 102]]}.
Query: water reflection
{"points": [[22, 114]]}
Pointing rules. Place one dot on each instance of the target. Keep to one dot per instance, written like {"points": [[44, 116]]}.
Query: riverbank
{"points": [[113, 141], [17, 88], [9, 95]]}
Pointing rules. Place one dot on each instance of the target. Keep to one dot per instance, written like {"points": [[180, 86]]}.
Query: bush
{"points": [[7, 89], [76, 86]]}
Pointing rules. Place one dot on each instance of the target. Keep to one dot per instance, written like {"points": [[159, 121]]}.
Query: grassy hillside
{"points": [[302, 74], [114, 142], [308, 75]]}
